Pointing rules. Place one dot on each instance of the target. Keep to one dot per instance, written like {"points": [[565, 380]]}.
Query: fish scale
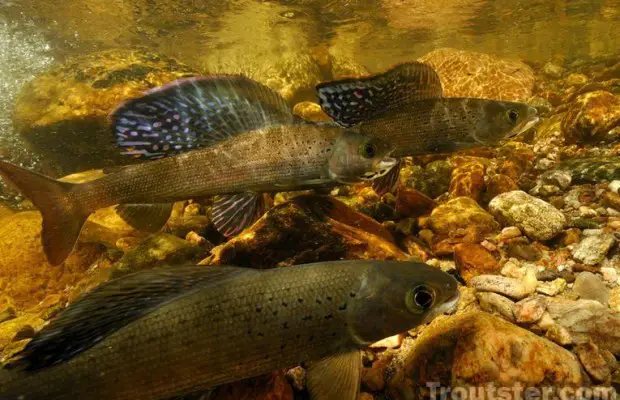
{"points": [[250, 325]]}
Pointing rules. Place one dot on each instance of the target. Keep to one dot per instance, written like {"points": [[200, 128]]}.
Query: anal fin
{"points": [[231, 214], [387, 182], [336, 377], [145, 217]]}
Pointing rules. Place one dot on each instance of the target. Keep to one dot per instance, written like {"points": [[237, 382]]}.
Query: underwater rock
{"points": [[553, 70], [612, 200], [530, 310], [520, 248], [497, 304], [462, 212], [307, 229], [467, 177], [158, 249], [538, 219], [64, 111], [614, 299], [593, 361], [552, 288], [25, 275], [478, 349], [310, 111], [432, 180], [590, 286], [471, 74], [593, 249], [590, 117], [7, 314], [268, 387], [412, 203], [499, 184], [587, 320], [510, 287], [473, 260], [592, 169]]}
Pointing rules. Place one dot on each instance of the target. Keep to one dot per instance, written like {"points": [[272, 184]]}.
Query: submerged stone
{"points": [[590, 286], [590, 117], [591, 250], [473, 260], [308, 229], [536, 218], [476, 349]]}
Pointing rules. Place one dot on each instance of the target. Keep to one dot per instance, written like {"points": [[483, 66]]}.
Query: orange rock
{"points": [[473, 260], [468, 179], [590, 117], [310, 111], [499, 184], [412, 203]]}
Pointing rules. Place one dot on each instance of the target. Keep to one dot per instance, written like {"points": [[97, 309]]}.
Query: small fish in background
{"points": [[405, 106], [173, 331], [277, 152]]}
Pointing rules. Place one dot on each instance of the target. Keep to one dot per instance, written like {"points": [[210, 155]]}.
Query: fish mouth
{"points": [[524, 126], [383, 168], [448, 307]]}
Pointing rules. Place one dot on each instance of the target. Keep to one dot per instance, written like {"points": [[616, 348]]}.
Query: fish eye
{"points": [[420, 299], [368, 150], [513, 115]]}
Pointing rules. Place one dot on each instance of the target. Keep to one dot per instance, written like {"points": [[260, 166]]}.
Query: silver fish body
{"points": [[244, 325]]}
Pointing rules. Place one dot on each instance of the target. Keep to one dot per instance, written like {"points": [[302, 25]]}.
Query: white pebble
{"points": [[609, 274], [586, 212], [614, 186]]}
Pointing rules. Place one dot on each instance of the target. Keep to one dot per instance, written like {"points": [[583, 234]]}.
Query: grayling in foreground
{"points": [[171, 331]]}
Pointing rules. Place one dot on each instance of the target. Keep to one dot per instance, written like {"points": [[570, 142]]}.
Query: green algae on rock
{"points": [[471, 74], [64, 111]]}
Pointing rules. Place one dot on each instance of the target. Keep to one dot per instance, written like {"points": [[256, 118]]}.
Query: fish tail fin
{"points": [[63, 218]]}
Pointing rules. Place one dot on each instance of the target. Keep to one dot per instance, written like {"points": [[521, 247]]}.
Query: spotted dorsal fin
{"points": [[351, 101], [110, 307], [196, 112]]}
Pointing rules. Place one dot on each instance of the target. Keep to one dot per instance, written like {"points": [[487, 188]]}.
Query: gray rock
{"points": [[557, 177], [510, 287], [494, 303], [587, 320], [593, 249], [538, 219], [590, 286]]}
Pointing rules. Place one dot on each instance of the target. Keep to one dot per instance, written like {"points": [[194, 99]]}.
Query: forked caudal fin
{"points": [[62, 218]]}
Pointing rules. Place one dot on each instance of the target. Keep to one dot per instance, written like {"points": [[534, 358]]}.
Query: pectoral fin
{"points": [[145, 217], [336, 377], [387, 182], [231, 214]]}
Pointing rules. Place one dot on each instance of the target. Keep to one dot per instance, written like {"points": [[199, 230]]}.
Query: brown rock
{"points": [[593, 361], [611, 199], [473, 260], [471, 74], [520, 248], [412, 203], [416, 249], [268, 387], [373, 378], [499, 184], [476, 349], [307, 229], [468, 179], [590, 117], [25, 275]]}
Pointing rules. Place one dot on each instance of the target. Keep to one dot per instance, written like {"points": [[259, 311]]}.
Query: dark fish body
{"points": [[444, 125], [247, 324], [405, 106]]}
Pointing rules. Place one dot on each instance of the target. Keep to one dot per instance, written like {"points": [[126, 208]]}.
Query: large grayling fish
{"points": [[277, 152], [172, 331], [405, 106]]}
